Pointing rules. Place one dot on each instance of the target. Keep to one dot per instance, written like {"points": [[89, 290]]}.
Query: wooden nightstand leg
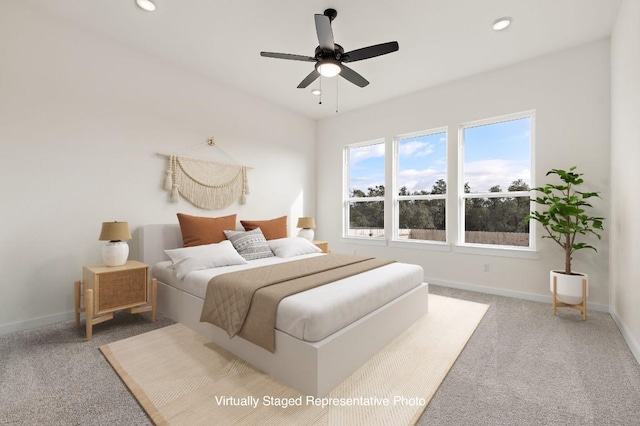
{"points": [[76, 300], [154, 299], [88, 308]]}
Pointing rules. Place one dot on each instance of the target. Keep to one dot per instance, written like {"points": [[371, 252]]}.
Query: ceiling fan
{"points": [[330, 57]]}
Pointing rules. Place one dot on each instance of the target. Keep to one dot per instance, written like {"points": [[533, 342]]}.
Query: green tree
{"points": [[439, 187], [521, 207], [518, 185], [475, 213], [376, 191], [368, 214], [495, 214]]}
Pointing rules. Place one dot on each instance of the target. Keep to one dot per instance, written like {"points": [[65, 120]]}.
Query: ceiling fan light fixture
{"points": [[502, 23], [329, 55], [328, 67], [146, 5]]}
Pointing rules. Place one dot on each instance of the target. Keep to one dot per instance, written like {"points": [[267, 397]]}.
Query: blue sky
{"points": [[495, 154]]}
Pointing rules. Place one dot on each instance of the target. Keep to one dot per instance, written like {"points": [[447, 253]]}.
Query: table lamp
{"points": [[307, 224], [115, 252]]}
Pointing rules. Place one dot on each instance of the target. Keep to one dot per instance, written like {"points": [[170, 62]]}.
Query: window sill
{"points": [[364, 240], [478, 249], [501, 251], [421, 245]]}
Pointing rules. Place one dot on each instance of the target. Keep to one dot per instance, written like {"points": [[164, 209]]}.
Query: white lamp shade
{"points": [[115, 253]]}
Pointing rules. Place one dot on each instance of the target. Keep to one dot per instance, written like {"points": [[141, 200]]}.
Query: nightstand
{"points": [[322, 245], [108, 289]]}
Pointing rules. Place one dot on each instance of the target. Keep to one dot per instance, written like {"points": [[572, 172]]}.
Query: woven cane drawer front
{"points": [[119, 289]]}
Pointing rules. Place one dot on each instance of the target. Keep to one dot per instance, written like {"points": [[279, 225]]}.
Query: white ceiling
{"points": [[440, 40]]}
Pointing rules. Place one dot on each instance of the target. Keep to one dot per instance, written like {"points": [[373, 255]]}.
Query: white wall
{"points": [[625, 173], [569, 91], [81, 119]]}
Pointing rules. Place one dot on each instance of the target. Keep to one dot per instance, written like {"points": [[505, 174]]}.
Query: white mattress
{"points": [[317, 313]]}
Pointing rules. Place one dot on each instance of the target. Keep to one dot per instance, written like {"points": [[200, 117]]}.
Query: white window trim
{"points": [[496, 250], [488, 249], [454, 237], [346, 190], [501, 194], [395, 158], [421, 245], [372, 241]]}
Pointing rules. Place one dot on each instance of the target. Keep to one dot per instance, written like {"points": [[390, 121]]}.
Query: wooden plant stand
{"points": [[582, 306]]}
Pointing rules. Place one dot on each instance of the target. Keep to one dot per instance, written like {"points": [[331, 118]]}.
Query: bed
{"points": [[330, 353]]}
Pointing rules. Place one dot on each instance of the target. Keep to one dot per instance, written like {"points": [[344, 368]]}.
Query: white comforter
{"points": [[317, 313]]}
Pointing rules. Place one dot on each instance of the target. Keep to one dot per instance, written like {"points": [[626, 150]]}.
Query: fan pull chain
{"points": [[320, 99]]}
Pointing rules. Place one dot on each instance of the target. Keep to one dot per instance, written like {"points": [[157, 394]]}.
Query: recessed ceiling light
{"points": [[502, 23], [146, 5], [316, 92]]}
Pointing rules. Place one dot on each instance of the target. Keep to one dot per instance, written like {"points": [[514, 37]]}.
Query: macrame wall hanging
{"points": [[206, 184]]}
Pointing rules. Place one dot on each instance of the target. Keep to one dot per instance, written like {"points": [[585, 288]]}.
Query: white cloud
{"points": [[416, 180], [365, 152], [482, 175], [415, 149], [363, 183]]}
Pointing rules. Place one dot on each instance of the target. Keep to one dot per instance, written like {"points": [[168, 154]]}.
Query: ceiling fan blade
{"points": [[325, 33], [353, 76], [371, 51], [309, 79], [288, 56]]}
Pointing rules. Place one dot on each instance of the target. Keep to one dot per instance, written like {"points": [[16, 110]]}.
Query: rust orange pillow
{"points": [[197, 230], [271, 229]]}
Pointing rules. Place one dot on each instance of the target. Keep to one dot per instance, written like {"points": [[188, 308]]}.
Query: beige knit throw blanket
{"points": [[246, 302], [206, 184]]}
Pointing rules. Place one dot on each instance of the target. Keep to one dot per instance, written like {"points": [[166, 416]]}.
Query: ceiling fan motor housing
{"points": [[337, 53]]}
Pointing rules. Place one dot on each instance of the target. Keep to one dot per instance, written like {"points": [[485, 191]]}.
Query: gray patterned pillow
{"points": [[250, 244]]}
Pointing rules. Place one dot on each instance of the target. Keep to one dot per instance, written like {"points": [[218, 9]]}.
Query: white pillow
{"points": [[206, 256], [292, 246]]}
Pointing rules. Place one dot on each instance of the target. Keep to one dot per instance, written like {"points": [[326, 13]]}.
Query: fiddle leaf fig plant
{"points": [[566, 215]]}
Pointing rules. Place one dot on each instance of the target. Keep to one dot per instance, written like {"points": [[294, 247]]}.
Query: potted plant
{"points": [[564, 220]]}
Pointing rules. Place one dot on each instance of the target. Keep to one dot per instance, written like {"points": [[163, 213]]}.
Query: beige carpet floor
{"points": [[181, 379]]}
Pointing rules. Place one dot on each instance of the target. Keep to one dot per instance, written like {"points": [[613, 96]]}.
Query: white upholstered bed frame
{"points": [[311, 368]]}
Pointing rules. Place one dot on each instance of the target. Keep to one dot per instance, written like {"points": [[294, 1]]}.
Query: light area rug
{"points": [[180, 378]]}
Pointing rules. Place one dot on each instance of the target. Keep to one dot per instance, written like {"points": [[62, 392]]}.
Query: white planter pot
{"points": [[568, 287]]}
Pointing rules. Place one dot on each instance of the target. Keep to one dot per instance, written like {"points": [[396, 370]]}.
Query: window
{"points": [[420, 186], [364, 194], [495, 178]]}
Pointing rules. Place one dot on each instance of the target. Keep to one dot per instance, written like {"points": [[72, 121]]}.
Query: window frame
{"points": [[462, 196], [454, 198], [347, 200], [396, 199]]}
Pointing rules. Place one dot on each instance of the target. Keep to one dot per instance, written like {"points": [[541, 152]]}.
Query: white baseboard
{"points": [[36, 322], [628, 337], [508, 293]]}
